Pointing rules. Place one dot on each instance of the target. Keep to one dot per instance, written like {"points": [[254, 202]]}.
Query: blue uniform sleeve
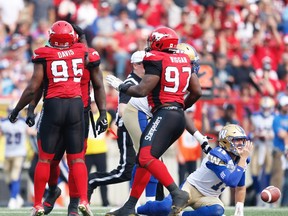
{"points": [[230, 178], [242, 181]]}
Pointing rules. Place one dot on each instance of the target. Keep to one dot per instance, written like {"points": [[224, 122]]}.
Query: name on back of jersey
{"points": [[65, 53], [178, 59]]}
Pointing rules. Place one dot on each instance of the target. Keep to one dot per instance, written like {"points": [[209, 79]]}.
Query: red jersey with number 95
{"points": [[174, 70], [63, 69]]}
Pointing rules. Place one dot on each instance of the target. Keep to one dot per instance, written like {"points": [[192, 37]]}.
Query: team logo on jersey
{"points": [[95, 53], [158, 36], [149, 54]]}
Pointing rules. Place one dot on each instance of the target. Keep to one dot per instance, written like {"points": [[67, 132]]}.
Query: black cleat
{"points": [[180, 201], [50, 200], [73, 207], [73, 214], [122, 212]]}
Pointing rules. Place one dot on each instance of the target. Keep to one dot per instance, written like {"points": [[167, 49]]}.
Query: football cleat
{"points": [[122, 211], [73, 214], [50, 200], [37, 211], [180, 201], [73, 207], [85, 209]]}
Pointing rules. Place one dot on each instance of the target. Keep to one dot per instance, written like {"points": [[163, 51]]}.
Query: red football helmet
{"points": [[162, 38], [61, 34]]}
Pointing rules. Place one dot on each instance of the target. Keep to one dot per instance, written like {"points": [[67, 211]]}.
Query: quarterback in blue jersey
{"points": [[225, 165]]}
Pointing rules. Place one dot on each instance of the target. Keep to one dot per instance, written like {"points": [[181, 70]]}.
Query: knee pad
{"points": [[145, 157], [75, 158], [217, 209]]}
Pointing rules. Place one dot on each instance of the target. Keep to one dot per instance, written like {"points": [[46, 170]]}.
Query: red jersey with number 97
{"points": [[63, 69], [174, 70], [94, 61]]}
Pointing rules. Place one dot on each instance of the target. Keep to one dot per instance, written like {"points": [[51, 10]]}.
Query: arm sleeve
{"points": [[230, 178]]}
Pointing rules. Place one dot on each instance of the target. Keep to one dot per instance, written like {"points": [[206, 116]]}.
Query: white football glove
{"points": [[203, 140], [114, 81], [239, 209]]}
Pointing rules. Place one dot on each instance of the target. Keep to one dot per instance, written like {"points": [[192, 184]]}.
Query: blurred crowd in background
{"points": [[244, 42]]}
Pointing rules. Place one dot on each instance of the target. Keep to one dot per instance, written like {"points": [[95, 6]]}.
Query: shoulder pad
{"points": [[221, 154]]}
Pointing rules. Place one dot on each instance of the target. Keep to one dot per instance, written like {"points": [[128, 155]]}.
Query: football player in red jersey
{"points": [[168, 77], [91, 73], [58, 69]]}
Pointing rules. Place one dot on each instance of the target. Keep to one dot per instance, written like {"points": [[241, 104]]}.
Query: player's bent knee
{"points": [[145, 157], [75, 158], [217, 209]]}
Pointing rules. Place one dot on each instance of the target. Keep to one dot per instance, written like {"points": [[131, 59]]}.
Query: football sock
{"points": [[79, 172], [54, 174], [42, 172], [213, 210], [15, 188], [131, 202], [164, 176], [151, 189], [73, 192]]}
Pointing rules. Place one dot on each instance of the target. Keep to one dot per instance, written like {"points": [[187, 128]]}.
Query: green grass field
{"points": [[98, 211]]}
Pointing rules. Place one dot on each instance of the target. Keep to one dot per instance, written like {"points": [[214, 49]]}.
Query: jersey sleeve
{"points": [[152, 64], [40, 54], [218, 163], [94, 58]]}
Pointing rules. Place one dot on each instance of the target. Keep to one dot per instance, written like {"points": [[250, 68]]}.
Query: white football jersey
{"points": [[263, 125], [15, 137], [206, 181]]}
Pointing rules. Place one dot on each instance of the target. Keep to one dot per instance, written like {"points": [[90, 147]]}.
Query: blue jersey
{"points": [[280, 123]]}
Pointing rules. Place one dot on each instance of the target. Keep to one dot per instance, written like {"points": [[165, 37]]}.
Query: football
{"points": [[270, 194]]}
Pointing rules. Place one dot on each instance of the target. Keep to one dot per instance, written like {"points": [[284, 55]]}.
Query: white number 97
{"points": [[176, 79]]}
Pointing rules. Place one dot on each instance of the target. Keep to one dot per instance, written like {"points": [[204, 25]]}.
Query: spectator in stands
{"points": [[86, 13], [43, 10], [128, 5], [10, 12], [227, 116]]}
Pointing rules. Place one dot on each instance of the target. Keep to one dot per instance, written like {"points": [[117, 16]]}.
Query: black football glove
{"points": [[13, 116], [102, 123], [30, 120]]}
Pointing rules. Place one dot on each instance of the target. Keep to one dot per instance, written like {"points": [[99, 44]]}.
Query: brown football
{"points": [[270, 194]]}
